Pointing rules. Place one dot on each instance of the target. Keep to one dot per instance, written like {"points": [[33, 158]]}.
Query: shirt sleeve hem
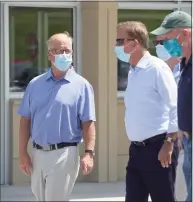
{"points": [[88, 119], [173, 130], [23, 114]]}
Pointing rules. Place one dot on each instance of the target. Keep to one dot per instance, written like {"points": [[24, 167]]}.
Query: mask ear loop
{"points": [[54, 57], [132, 50], [178, 38], [52, 54], [180, 44]]}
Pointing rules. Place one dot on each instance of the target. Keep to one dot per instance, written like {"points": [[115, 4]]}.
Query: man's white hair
{"points": [[65, 33]]}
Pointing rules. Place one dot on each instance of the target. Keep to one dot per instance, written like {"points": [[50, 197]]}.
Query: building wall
{"points": [[123, 142]]}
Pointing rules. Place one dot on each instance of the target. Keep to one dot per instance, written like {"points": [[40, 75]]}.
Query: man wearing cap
{"points": [[174, 64], [176, 31]]}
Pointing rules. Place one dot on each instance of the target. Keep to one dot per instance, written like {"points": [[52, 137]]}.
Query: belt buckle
{"points": [[46, 148], [143, 143], [140, 143]]}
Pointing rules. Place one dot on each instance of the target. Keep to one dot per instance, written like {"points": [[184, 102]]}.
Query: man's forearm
{"points": [[172, 62], [24, 134], [89, 135]]}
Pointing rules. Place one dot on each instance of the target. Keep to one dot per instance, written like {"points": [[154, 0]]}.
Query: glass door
{"points": [[26, 29]]}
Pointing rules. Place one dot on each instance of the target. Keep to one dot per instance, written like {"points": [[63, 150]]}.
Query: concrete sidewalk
{"points": [[82, 192], [91, 191]]}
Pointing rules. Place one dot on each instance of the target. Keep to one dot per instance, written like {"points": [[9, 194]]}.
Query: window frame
{"points": [[76, 37], [175, 5], [2, 108]]}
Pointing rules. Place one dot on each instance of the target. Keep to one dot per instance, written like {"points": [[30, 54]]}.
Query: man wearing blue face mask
{"points": [[172, 62], [162, 53], [176, 32], [150, 117], [57, 111]]}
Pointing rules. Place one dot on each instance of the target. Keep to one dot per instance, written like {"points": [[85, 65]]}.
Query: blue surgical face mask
{"points": [[63, 61], [162, 53], [121, 55], [173, 47]]}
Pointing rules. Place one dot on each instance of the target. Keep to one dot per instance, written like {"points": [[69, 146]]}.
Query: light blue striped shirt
{"points": [[176, 72], [150, 99]]}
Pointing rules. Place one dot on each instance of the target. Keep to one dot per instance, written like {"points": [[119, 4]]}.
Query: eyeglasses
{"points": [[60, 51], [120, 42], [156, 42]]}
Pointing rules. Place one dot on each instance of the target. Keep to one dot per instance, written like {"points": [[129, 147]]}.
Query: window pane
{"points": [[123, 69], [152, 19], [30, 29]]}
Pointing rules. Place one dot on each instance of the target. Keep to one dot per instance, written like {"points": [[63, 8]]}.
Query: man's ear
{"points": [[185, 32], [135, 43], [49, 56]]}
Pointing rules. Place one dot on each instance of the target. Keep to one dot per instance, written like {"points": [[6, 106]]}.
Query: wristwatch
{"points": [[169, 139], [89, 151]]}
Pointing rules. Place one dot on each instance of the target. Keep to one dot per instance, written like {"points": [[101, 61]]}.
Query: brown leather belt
{"points": [[150, 140], [54, 146]]}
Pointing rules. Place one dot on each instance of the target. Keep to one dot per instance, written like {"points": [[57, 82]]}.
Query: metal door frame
{"points": [[6, 143], [2, 95]]}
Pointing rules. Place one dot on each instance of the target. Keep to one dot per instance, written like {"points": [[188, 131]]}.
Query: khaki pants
{"points": [[54, 173]]}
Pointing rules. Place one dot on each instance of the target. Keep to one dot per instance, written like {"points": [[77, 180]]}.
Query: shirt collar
{"points": [[68, 76], [176, 68], [143, 61]]}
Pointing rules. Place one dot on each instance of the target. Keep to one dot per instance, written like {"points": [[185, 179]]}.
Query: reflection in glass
{"points": [[152, 19], [24, 69], [123, 70], [30, 28]]}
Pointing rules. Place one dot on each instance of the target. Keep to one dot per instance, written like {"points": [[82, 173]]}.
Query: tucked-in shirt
{"points": [[150, 99], [176, 73], [185, 96], [58, 107]]}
